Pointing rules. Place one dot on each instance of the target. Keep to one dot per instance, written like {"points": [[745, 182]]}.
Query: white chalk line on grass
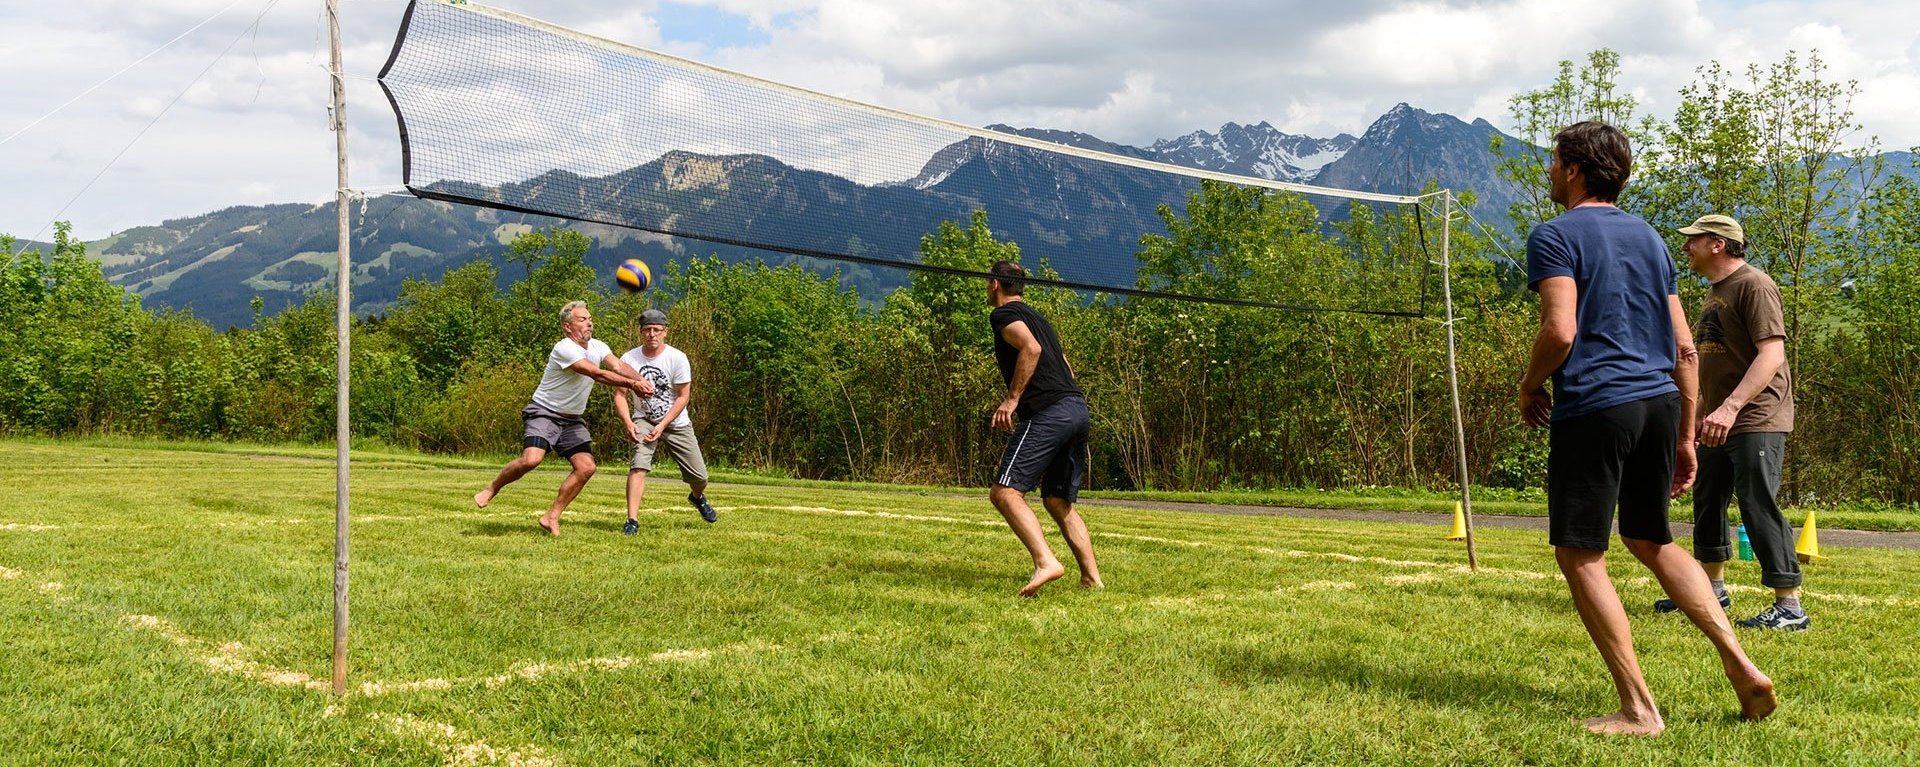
{"points": [[1172, 541], [530, 671], [434, 516], [227, 658], [26, 528], [1318, 586], [1851, 599], [460, 749], [1448, 567], [455, 747], [1152, 539], [258, 523], [1164, 601], [863, 513], [1451, 567]]}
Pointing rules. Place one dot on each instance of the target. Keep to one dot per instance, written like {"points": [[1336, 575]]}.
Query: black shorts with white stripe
{"points": [[1048, 451]]}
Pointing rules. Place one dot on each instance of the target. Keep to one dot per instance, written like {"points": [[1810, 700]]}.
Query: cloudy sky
{"points": [[249, 126]]}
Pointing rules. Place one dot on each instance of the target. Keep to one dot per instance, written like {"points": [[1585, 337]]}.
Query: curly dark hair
{"points": [[1603, 153]]}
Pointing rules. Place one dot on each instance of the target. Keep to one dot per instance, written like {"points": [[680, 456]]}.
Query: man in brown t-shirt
{"points": [[1746, 402]]}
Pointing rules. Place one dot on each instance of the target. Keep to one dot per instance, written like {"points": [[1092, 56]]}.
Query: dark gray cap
{"points": [[653, 317]]}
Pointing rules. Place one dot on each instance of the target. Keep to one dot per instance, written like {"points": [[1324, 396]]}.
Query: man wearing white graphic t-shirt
{"points": [[661, 418], [553, 419]]}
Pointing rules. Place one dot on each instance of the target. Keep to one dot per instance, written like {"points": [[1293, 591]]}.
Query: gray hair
{"points": [[566, 312]]}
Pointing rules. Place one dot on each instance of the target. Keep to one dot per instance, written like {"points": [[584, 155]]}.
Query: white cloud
{"points": [[254, 129]]}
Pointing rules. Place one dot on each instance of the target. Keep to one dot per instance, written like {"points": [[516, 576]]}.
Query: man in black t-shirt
{"points": [[1048, 449]]}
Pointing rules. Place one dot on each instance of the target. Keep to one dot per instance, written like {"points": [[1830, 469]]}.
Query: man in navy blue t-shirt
{"points": [[1616, 343]]}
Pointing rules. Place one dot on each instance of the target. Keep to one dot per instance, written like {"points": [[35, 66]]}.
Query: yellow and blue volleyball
{"points": [[632, 275]]}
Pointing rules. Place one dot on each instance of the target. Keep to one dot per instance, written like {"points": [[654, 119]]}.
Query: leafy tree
{"points": [[951, 314], [1872, 431], [1577, 93], [447, 324], [557, 273], [64, 372], [1770, 149]]}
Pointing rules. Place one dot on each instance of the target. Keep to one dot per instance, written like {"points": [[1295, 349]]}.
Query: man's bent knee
{"points": [[1001, 494], [1574, 556]]}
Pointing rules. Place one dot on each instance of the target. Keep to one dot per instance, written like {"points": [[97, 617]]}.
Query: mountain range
{"points": [[1054, 206]]}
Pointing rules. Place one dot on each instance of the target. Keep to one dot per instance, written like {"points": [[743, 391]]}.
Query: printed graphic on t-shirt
{"points": [[1712, 336], [655, 408]]}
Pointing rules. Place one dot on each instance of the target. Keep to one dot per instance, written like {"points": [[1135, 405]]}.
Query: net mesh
{"points": [[508, 112]]}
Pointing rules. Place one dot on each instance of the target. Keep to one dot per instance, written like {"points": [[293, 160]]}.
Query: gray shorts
{"points": [[679, 443], [555, 432]]}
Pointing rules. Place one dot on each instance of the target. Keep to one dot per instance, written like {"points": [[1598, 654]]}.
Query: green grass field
{"points": [[169, 606]]}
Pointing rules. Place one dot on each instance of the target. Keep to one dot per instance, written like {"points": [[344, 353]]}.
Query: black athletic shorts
{"points": [[1048, 451], [1622, 455]]}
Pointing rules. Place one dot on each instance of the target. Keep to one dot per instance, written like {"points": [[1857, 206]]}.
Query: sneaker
{"points": [[633, 526], [706, 510], [1668, 605], [1777, 617]]}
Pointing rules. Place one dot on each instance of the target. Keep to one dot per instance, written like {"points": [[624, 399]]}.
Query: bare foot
{"points": [[1091, 582], [1042, 576], [1618, 723], [1756, 697], [552, 527], [482, 498]]}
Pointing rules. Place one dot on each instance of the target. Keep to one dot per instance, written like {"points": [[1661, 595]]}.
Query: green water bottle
{"points": [[1746, 546]]}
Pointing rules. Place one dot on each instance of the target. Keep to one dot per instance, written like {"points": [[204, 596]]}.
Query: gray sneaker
{"points": [[1668, 605], [1778, 618]]}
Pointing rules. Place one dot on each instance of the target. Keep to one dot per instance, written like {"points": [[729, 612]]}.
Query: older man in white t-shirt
{"points": [[661, 418], [554, 421]]}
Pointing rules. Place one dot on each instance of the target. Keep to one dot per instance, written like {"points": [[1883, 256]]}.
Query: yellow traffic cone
{"points": [[1808, 548], [1459, 524]]}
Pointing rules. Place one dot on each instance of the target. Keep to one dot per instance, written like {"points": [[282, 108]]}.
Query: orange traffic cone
{"points": [[1808, 548], [1459, 524]]}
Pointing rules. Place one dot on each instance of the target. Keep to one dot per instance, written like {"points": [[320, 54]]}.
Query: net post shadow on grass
{"points": [[503, 111]]}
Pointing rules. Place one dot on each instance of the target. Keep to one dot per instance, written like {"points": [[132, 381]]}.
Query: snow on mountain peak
{"points": [[1259, 150]]}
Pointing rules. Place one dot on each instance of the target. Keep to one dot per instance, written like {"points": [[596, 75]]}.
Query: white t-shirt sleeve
{"points": [[682, 369], [596, 351], [565, 353], [562, 389]]}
